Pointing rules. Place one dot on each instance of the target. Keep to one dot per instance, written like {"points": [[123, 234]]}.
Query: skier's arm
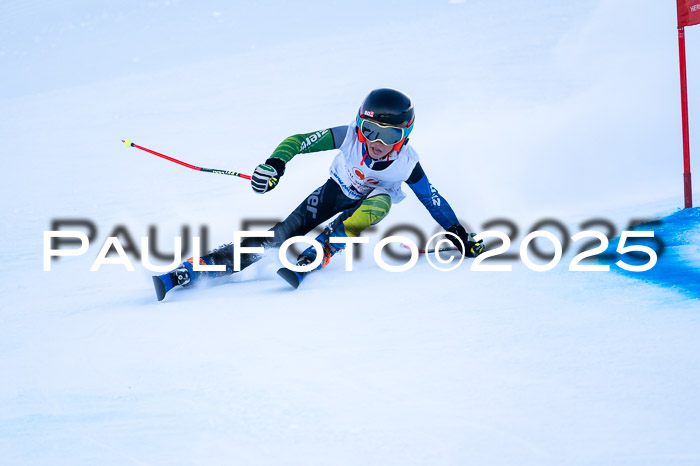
{"points": [[318, 141], [438, 207], [441, 211], [267, 175]]}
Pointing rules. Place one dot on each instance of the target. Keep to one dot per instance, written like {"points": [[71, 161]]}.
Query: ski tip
{"points": [[290, 277], [160, 288]]}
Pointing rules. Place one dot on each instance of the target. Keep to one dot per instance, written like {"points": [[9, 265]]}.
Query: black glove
{"points": [[267, 175], [473, 248]]}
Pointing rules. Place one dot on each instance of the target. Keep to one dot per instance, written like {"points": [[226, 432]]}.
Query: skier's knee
{"points": [[370, 212]]}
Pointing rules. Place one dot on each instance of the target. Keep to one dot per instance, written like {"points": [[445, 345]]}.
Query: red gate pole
{"points": [[687, 187]]}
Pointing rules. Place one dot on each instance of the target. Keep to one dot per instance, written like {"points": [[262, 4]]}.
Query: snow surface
{"points": [[567, 110]]}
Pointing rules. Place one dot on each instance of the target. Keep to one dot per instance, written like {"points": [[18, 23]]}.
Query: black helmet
{"points": [[388, 106]]}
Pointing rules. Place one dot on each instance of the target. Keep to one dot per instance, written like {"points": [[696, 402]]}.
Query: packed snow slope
{"points": [[529, 111]]}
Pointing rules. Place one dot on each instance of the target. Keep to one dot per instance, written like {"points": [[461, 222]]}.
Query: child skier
{"points": [[366, 176]]}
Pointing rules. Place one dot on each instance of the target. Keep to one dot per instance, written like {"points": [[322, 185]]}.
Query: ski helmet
{"points": [[389, 107]]}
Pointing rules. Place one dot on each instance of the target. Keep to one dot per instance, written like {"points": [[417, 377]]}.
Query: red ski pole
{"points": [[128, 143]]}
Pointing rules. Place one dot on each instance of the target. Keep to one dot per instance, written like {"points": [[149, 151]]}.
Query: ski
{"points": [[162, 284], [293, 278]]}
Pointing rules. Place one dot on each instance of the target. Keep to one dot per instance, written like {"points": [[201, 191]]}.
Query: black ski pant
{"points": [[319, 206]]}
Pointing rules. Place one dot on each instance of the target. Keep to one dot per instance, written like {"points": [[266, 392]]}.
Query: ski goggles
{"points": [[389, 135]]}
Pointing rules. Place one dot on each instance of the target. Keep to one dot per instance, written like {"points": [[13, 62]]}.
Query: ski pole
{"points": [[432, 250], [128, 143]]}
